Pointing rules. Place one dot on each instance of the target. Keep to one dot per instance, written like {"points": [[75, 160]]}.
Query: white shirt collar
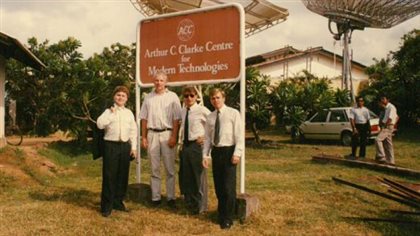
{"points": [[118, 107], [165, 91], [222, 109]]}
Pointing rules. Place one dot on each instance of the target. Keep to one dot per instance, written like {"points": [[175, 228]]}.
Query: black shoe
{"points": [[194, 212], [171, 204], [226, 225], [156, 203], [121, 207], [106, 213], [350, 157]]}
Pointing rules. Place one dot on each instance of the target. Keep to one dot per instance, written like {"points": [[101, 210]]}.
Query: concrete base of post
{"points": [[245, 206], [139, 193]]}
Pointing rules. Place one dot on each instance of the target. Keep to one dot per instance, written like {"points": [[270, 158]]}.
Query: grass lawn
{"points": [[297, 196]]}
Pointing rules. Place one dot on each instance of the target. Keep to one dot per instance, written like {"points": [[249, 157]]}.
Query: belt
{"points": [[188, 142], [116, 142], [160, 130], [223, 147]]}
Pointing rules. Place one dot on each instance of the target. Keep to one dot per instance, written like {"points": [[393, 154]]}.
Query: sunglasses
{"points": [[189, 95]]}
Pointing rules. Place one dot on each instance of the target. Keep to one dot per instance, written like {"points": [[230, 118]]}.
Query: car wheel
{"points": [[346, 138]]}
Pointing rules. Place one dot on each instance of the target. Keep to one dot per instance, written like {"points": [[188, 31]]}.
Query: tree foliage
{"points": [[398, 76], [70, 92], [297, 98]]}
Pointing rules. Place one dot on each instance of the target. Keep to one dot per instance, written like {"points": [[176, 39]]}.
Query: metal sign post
{"points": [[202, 46]]}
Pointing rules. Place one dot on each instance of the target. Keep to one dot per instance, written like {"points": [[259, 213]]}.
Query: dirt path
{"points": [[24, 164]]}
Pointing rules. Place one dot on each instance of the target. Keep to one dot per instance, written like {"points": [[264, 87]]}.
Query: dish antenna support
{"points": [[349, 15]]}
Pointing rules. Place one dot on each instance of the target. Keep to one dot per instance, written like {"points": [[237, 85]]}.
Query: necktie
{"points": [[186, 127], [216, 137]]}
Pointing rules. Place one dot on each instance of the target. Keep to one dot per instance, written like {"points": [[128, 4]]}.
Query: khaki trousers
{"points": [[384, 147], [158, 147]]}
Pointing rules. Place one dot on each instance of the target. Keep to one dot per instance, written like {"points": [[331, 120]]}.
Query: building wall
{"points": [[318, 64]]}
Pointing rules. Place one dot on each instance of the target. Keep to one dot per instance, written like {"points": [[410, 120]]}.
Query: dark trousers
{"points": [[224, 176], [115, 169], [360, 139], [192, 168]]}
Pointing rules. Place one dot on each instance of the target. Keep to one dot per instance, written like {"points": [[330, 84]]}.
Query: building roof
{"points": [[12, 48], [289, 53]]}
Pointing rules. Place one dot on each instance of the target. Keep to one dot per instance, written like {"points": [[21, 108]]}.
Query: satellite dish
{"points": [[349, 15], [259, 14]]}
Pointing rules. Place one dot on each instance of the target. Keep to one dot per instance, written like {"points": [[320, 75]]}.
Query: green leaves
{"points": [[71, 92]]}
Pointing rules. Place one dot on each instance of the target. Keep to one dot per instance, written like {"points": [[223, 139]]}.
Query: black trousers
{"points": [[224, 176], [192, 168], [360, 139], [115, 170]]}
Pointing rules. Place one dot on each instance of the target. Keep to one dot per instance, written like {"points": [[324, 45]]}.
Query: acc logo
{"points": [[185, 30]]}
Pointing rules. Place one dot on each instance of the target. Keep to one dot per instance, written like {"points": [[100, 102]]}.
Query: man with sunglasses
{"points": [[359, 119], [194, 118]]}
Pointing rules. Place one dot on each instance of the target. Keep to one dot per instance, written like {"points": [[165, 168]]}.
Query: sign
{"points": [[192, 47]]}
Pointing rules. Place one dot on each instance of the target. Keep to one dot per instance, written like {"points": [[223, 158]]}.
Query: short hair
{"points": [[161, 73], [189, 89], [217, 90], [383, 96], [123, 89], [359, 97]]}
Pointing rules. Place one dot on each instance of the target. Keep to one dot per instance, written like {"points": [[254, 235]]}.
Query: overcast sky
{"points": [[99, 23]]}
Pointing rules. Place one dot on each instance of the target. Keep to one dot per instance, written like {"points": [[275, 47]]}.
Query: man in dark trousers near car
{"points": [[224, 137], [359, 120]]}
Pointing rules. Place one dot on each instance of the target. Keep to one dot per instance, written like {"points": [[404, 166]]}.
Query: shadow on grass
{"points": [[403, 225], [141, 193], [78, 197]]}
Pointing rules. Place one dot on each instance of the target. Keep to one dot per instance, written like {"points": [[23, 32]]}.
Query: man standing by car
{"points": [[359, 120], [384, 147]]}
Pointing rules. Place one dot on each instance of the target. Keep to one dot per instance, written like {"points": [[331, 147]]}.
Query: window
{"points": [[320, 117], [338, 116]]}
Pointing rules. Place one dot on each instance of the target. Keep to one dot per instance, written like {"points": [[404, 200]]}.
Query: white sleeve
{"points": [[239, 133], [105, 119], [207, 140], [144, 111], [133, 132]]}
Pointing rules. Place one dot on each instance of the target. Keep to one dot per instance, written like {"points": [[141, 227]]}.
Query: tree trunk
{"points": [[255, 132]]}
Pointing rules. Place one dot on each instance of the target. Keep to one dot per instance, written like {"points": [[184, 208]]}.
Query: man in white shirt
{"points": [[384, 146], [160, 115], [359, 120], [224, 137], [194, 119], [120, 143]]}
